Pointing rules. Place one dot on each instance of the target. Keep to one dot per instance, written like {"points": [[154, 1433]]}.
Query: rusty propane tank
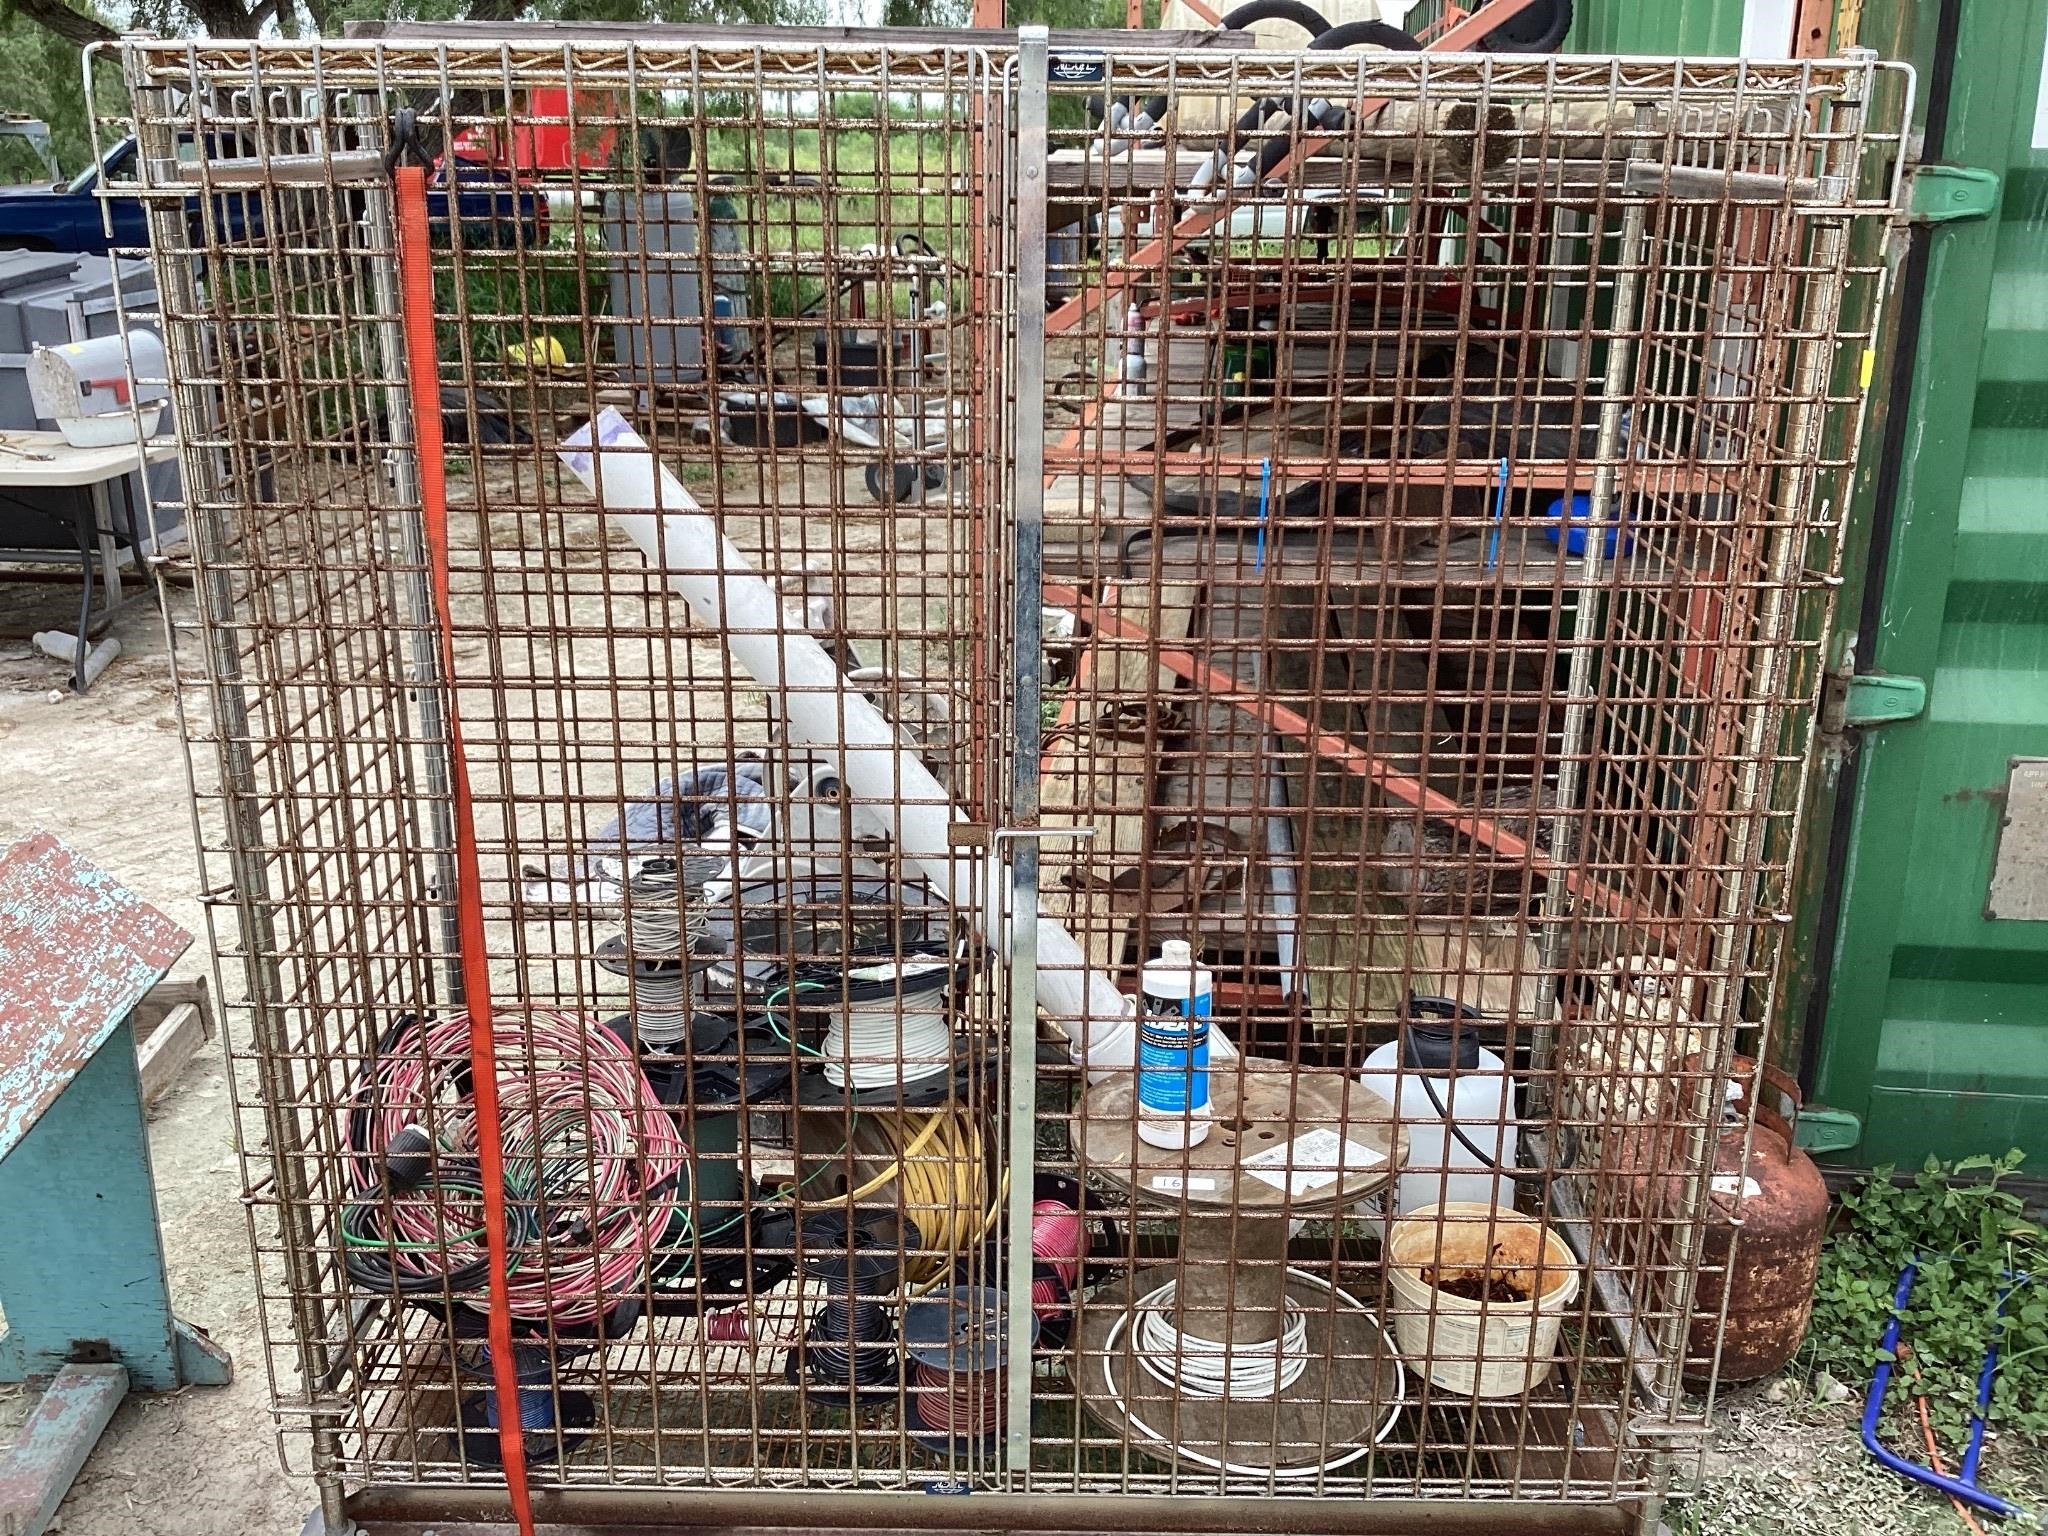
{"points": [[1765, 1268]]}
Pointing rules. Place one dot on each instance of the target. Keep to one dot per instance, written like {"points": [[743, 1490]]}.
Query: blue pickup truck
{"points": [[67, 217]]}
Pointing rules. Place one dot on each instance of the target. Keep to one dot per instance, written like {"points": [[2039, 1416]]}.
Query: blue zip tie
{"points": [[1265, 500], [1500, 507]]}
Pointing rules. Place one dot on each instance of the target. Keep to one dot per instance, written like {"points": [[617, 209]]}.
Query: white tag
{"points": [[1737, 1183], [1174, 1184], [1309, 1162]]}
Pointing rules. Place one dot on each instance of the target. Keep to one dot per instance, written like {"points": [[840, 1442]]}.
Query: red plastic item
{"points": [[544, 141]]}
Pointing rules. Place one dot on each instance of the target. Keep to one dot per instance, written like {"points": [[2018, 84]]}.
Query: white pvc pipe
{"points": [[824, 711]]}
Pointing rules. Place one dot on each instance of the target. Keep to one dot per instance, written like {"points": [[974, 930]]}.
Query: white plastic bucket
{"points": [[1474, 1348]]}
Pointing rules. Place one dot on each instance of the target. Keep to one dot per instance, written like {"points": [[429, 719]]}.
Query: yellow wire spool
{"points": [[934, 1162]]}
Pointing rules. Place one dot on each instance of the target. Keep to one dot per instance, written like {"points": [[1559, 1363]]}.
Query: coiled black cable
{"points": [[851, 1343], [395, 1240]]}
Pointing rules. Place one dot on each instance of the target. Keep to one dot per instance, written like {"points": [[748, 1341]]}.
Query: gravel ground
{"points": [[1784, 1461]]}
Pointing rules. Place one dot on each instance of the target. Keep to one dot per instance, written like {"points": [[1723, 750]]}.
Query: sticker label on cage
{"points": [[1309, 1162], [1174, 1184], [1739, 1184]]}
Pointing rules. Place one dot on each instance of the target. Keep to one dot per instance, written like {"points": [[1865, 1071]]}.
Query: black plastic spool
{"points": [[554, 1423], [932, 1337], [856, 1255], [539, 1351], [739, 1267], [769, 929]]}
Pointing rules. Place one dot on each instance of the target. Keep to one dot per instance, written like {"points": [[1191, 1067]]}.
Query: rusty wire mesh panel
{"points": [[1356, 708], [1328, 692]]}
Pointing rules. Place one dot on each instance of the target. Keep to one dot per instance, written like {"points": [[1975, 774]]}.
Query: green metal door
{"points": [[1935, 1027]]}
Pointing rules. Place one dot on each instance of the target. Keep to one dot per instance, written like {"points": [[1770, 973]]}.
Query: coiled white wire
{"points": [[1388, 1356], [872, 1044], [1216, 1368], [659, 1017], [654, 915]]}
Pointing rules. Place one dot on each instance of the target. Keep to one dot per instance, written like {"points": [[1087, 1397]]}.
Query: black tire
{"points": [[1377, 34], [1306, 17], [903, 483], [1539, 29]]}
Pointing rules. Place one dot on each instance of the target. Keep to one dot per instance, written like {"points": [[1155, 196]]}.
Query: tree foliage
{"points": [[40, 77]]}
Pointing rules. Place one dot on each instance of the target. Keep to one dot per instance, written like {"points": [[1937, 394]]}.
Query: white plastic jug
{"points": [[1461, 1080]]}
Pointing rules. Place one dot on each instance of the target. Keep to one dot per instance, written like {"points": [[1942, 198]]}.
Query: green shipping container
{"points": [[1928, 1032], [1922, 935]]}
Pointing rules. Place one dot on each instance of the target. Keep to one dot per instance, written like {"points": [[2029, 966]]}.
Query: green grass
{"points": [[524, 298]]}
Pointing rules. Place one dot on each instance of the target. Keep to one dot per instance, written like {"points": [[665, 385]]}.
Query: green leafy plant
{"points": [[1970, 1235]]}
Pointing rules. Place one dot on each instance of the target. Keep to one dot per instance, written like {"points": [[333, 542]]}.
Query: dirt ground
{"points": [[106, 773]]}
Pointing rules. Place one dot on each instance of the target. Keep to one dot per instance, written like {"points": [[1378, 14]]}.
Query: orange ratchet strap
{"points": [[423, 381]]}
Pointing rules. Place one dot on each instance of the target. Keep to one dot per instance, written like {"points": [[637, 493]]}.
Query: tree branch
{"points": [[222, 18], [75, 27]]}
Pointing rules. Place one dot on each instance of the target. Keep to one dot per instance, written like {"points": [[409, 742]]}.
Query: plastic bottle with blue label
{"points": [[1173, 1049]]}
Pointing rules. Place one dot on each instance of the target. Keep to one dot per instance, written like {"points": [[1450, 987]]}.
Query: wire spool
{"points": [[848, 1354], [1194, 1366], [654, 911], [1231, 1285], [423, 1238], [553, 1423], [1074, 1245], [1301, 1430], [771, 932], [933, 1165], [592, 1162], [958, 1339], [890, 1024], [1059, 1238]]}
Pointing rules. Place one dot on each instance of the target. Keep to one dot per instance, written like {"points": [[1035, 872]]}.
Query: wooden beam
{"points": [[168, 1050], [53, 1444]]}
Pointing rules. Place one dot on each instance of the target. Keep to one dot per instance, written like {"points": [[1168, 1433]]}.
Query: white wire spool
{"points": [[1102, 1369], [1216, 1368], [654, 912], [894, 1025], [659, 1014]]}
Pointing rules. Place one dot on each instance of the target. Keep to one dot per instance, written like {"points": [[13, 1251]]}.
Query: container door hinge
{"points": [[1820, 1129], [1860, 701], [1943, 194]]}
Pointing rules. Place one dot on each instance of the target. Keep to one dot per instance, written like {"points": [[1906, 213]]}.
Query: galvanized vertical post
{"points": [[424, 657], [1027, 659], [1587, 619]]}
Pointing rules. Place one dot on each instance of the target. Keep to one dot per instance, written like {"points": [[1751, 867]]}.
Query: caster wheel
{"points": [[903, 482]]}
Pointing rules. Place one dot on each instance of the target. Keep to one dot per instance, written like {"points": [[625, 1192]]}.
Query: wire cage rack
{"points": [[701, 537]]}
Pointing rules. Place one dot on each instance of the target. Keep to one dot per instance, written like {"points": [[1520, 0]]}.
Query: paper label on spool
{"points": [[1309, 1162], [1740, 1184], [1174, 1184]]}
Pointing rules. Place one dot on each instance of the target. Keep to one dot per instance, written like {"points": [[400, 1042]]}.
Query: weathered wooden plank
{"points": [[53, 1444], [167, 1051]]}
